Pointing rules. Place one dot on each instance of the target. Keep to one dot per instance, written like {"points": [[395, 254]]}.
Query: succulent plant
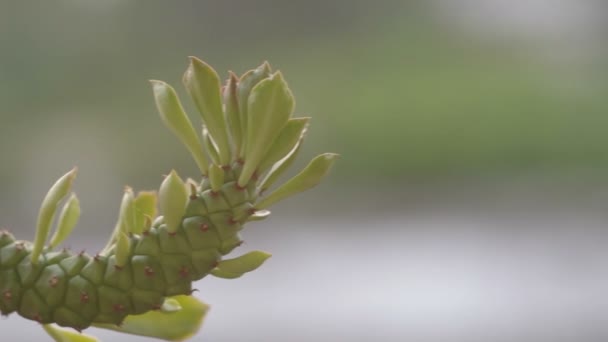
{"points": [[141, 282]]}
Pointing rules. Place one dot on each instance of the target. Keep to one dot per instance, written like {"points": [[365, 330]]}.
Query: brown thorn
{"points": [[84, 297], [53, 281], [232, 221], [184, 272], [118, 307], [204, 227], [149, 271], [8, 295]]}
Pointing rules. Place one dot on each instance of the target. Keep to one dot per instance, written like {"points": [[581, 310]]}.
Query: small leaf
{"points": [[244, 87], [126, 222], [279, 168], [145, 206], [47, 211], [290, 135], [210, 146], [216, 177], [203, 85], [312, 175], [70, 213], [123, 249], [173, 115], [232, 112], [173, 198], [234, 268], [270, 105], [126, 217], [169, 326], [67, 335]]}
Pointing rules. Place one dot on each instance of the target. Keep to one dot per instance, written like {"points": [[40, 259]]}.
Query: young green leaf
{"points": [[169, 326], [70, 213], [126, 217], [234, 268], [173, 116], [145, 209], [244, 87], [66, 335], [123, 248], [312, 175], [203, 85], [210, 146], [47, 211], [279, 168], [288, 138], [232, 112], [173, 198], [270, 105], [216, 177]]}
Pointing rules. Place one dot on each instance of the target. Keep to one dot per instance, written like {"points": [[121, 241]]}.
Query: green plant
{"points": [[140, 283]]}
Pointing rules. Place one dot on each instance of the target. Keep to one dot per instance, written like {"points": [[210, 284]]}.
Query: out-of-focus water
{"points": [[451, 275]]}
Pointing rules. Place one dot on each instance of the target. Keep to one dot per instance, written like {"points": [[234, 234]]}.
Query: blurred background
{"points": [[470, 200]]}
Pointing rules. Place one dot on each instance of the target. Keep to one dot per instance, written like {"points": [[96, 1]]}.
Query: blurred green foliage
{"points": [[390, 87]]}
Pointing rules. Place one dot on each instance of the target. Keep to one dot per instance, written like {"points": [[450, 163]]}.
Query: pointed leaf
{"points": [[47, 211], [169, 326], [174, 117], [269, 107], [279, 168], [123, 249], [173, 198], [216, 177], [232, 112], [126, 216], [70, 213], [288, 138], [210, 146], [203, 85], [244, 87], [145, 206], [312, 175], [67, 335], [234, 268]]}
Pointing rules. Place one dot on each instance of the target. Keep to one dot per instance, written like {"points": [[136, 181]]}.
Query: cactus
{"points": [[142, 280]]}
